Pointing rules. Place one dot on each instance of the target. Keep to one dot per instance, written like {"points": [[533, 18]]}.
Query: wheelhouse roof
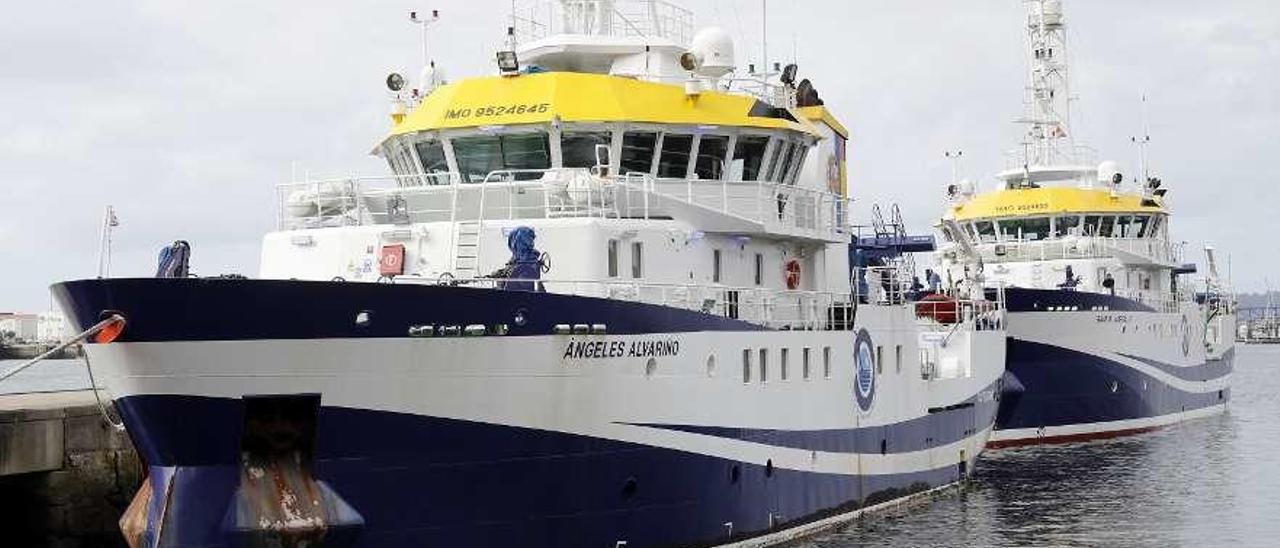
{"points": [[582, 97], [1049, 201]]}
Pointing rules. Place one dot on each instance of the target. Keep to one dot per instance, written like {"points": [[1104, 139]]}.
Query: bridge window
{"points": [[797, 161], [749, 152], [1024, 229], [783, 166], [578, 148], [1124, 227], [1139, 226], [479, 155], [1064, 225], [711, 152], [674, 161], [432, 155], [1153, 230], [775, 158], [637, 151], [986, 231], [1106, 226]]}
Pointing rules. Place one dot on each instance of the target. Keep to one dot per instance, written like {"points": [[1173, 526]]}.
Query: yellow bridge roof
{"points": [[1049, 201], [581, 97]]}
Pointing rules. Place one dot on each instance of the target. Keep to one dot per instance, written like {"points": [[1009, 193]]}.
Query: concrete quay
{"points": [[65, 475]]}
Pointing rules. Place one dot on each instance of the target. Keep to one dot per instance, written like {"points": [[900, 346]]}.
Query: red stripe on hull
{"points": [[1069, 438]]}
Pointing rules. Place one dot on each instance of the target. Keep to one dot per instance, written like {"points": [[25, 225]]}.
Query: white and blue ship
{"points": [[603, 299], [1109, 334]]}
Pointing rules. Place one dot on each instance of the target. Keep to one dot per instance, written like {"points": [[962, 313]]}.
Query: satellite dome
{"points": [[714, 49], [1109, 173]]}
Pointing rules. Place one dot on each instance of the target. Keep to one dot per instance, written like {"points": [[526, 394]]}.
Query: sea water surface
{"points": [[1204, 483]]}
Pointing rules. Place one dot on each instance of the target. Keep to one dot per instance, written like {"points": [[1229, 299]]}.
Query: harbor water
{"points": [[1208, 482], [46, 376]]}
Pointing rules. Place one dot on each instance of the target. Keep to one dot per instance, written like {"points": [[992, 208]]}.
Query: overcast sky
{"points": [[185, 115]]}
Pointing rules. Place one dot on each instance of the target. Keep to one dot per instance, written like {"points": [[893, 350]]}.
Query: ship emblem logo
{"points": [[865, 371]]}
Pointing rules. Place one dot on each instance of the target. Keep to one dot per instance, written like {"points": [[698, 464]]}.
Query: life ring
{"points": [[793, 274]]}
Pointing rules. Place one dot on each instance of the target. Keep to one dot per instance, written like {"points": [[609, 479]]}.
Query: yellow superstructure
{"points": [[1050, 201], [584, 97]]}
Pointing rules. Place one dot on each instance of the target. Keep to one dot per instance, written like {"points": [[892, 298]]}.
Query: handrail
{"points": [[567, 192]]}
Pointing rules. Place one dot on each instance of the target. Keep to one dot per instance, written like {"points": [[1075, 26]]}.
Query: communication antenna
{"points": [[954, 155], [109, 221], [1143, 142], [424, 23], [764, 37]]}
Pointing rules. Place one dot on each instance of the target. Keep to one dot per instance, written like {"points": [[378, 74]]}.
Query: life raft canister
{"points": [[391, 260], [793, 274], [940, 308]]}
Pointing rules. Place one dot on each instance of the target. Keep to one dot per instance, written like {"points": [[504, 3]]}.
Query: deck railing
{"points": [[558, 193], [773, 308], [1073, 247]]}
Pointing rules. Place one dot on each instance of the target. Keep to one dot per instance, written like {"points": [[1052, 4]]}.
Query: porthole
{"points": [[735, 473], [711, 365], [650, 367], [629, 488], [768, 468], [364, 317]]}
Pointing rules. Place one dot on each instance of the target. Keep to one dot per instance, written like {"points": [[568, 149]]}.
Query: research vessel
{"points": [[603, 299], [1109, 334]]}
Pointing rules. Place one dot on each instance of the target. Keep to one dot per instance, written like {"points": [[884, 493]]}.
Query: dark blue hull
{"points": [[421, 481], [408, 480], [1052, 387]]}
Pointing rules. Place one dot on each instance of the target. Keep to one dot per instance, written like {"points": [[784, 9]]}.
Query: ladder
{"points": [[466, 249]]}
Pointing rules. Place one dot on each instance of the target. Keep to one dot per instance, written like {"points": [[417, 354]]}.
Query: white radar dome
{"points": [[430, 78], [1109, 173], [714, 49]]}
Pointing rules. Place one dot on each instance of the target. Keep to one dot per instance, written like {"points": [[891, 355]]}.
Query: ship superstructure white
{"points": [[1108, 333], [603, 300]]}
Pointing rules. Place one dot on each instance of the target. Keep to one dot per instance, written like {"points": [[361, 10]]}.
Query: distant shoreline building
{"points": [[31, 328]]}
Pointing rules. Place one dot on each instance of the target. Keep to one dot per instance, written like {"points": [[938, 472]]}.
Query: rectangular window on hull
{"points": [[711, 153], [782, 363], [749, 152], [578, 148], [637, 151], [637, 259], [759, 268], [479, 155], [715, 266], [804, 362], [674, 161], [746, 366], [764, 365], [613, 258], [826, 362]]}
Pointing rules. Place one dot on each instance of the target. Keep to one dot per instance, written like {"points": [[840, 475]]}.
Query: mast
{"points": [[1049, 138]]}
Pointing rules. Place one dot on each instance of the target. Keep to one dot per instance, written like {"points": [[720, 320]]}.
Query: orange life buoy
{"points": [[793, 274]]}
